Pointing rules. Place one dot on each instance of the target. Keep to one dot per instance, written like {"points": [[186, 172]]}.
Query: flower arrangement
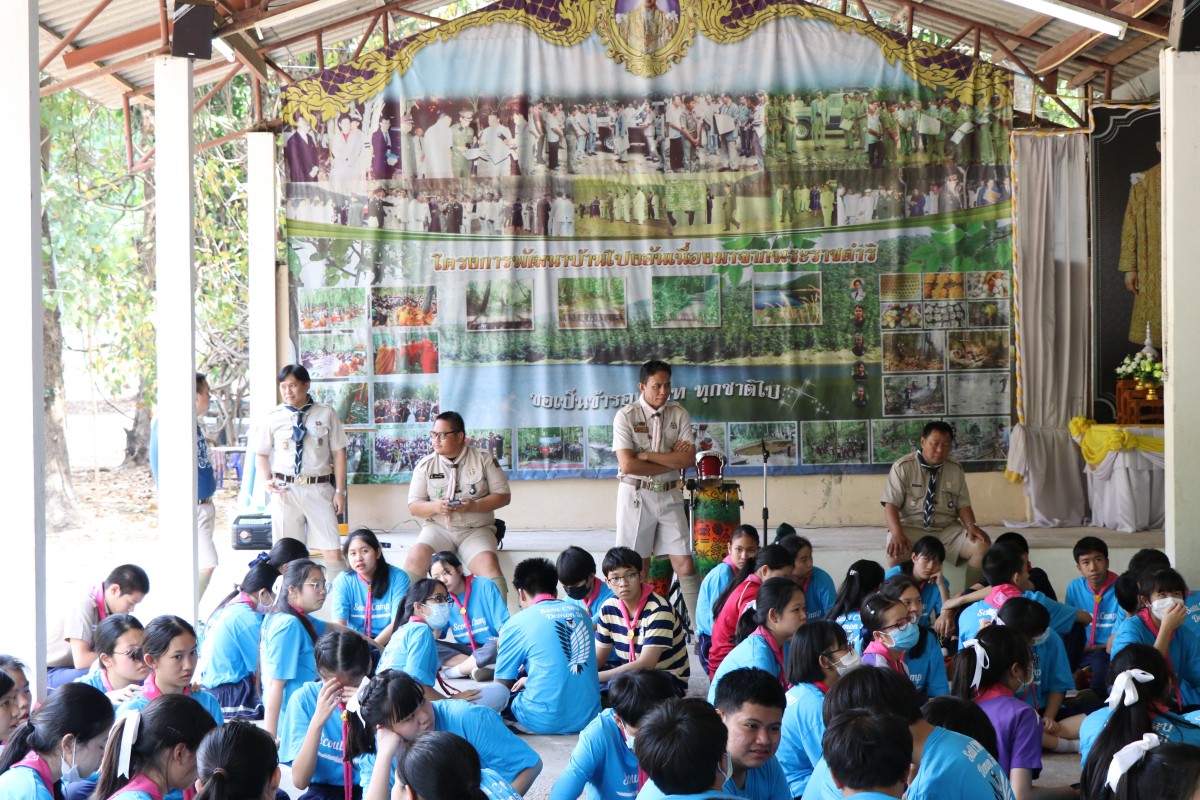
{"points": [[1141, 367]]}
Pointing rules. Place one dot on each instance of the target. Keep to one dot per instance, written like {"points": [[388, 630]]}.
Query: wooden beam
{"points": [[91, 75], [126, 42], [1113, 58], [908, 26], [128, 132], [117, 82], [69, 39], [280, 71], [394, 7], [866, 12], [1037, 80], [245, 50], [1108, 82], [164, 24], [271, 125], [1083, 40], [978, 34], [962, 35], [362, 41], [234, 70], [320, 53], [1029, 29]]}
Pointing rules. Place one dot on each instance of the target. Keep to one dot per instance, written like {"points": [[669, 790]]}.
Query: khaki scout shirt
{"points": [[906, 487], [323, 435], [631, 430], [479, 474]]}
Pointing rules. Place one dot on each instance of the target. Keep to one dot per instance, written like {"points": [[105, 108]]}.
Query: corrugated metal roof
{"points": [[122, 17]]}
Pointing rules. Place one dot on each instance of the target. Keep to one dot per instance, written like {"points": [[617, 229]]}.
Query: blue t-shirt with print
{"points": [[1183, 652], [553, 641], [602, 765], [800, 739], [1051, 672], [293, 728], [753, 651], [931, 597], [486, 610], [286, 652], [928, 670], [412, 649], [349, 600], [819, 594], [1171, 727], [1062, 617], [229, 651], [762, 783], [1105, 617]]}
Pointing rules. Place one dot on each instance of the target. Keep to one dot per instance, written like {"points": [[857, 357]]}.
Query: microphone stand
{"points": [[766, 454]]}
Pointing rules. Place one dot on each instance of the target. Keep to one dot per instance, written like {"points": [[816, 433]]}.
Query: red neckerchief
{"points": [[140, 783], [776, 649], [631, 625], [97, 594], [38, 765], [592, 595], [462, 606], [1109, 580], [347, 764], [993, 691], [805, 583], [880, 649], [150, 688], [367, 613], [1146, 617], [1002, 594], [821, 685]]}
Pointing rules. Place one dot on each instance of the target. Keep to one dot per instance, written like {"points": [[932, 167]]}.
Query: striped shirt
{"points": [[656, 627]]}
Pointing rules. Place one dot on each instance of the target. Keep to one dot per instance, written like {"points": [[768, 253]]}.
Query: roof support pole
{"points": [[22, 492], [176, 585]]}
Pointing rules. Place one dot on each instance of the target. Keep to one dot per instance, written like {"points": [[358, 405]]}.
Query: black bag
{"points": [[252, 532], [500, 530]]}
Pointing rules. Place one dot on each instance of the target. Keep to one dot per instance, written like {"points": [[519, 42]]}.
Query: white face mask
{"points": [[1039, 640], [847, 662], [1162, 605], [69, 774]]}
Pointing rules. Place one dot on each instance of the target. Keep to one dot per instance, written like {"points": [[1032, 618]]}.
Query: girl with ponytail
{"points": [[152, 753], [1151, 770], [62, 740], [121, 670], [765, 630], [440, 765], [773, 561], [863, 578], [169, 650], [229, 655], [289, 633], [320, 733], [237, 762]]}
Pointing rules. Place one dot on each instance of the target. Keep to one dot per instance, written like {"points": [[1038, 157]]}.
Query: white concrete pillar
{"points": [[173, 581], [1181, 287], [23, 590], [262, 229]]}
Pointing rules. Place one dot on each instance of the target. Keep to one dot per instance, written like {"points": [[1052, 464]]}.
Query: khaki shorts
{"points": [[305, 513], [953, 537], [206, 530], [468, 542], [652, 523]]}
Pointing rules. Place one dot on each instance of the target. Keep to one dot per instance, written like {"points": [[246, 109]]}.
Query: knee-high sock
{"points": [[689, 587], [502, 584]]}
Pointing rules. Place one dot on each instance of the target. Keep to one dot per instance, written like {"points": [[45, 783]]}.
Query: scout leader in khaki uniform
{"points": [[926, 495], [301, 447], [653, 440], [454, 492]]}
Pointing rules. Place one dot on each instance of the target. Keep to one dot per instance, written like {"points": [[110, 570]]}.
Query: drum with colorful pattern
{"points": [[715, 516]]}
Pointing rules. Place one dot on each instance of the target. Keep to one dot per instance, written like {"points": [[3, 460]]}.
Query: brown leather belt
{"points": [[304, 479], [653, 486]]}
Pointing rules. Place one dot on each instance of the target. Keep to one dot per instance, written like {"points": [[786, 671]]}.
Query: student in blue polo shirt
{"points": [[950, 766], [169, 650], [119, 670], [577, 573], [924, 659], [1007, 571], [1052, 677], [229, 654], [551, 640], [765, 632], [1148, 561], [750, 702], [1161, 622], [318, 736], [367, 575], [925, 567], [65, 734], [603, 762], [818, 657], [394, 706], [681, 746], [477, 614], [743, 547], [868, 754], [1094, 591], [442, 765], [289, 633], [819, 589]]}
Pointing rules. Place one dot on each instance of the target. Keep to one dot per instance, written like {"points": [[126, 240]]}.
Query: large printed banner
{"points": [[809, 217]]}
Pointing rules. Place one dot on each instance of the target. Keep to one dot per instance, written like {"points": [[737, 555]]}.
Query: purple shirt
{"points": [[1018, 731]]}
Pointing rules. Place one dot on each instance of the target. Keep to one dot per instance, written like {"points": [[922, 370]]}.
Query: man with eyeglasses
{"points": [[653, 440], [455, 491]]}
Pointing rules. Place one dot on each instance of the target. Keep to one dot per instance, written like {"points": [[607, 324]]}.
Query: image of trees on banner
{"points": [[807, 216]]}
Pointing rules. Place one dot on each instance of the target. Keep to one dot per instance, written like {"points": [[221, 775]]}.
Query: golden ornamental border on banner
{"points": [[648, 41]]}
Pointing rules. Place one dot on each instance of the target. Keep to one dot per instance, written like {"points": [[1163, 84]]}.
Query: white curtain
{"points": [[1053, 277]]}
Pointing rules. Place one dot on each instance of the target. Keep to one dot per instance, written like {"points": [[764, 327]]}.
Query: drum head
{"points": [[710, 466]]}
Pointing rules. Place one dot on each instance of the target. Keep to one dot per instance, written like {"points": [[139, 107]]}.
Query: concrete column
{"points": [[173, 582], [262, 227], [23, 590], [1181, 287]]}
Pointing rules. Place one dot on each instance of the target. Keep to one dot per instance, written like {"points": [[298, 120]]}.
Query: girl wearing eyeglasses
{"points": [[121, 670], [289, 631], [892, 630]]}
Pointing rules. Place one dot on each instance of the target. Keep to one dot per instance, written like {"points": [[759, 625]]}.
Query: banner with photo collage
{"points": [[808, 216]]}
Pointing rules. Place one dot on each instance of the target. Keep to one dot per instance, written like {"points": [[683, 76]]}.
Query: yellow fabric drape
{"points": [[1097, 441]]}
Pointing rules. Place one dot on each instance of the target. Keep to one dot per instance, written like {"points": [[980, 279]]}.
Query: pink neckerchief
{"points": [[1002, 594], [104, 681], [244, 599], [150, 688], [541, 598], [367, 621], [994, 691], [1109, 580], [821, 685], [462, 606], [631, 625], [38, 765], [883, 651], [729, 560], [347, 764], [1146, 617], [97, 594], [592, 595], [776, 649], [140, 783]]}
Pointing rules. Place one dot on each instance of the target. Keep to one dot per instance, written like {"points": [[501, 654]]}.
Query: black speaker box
{"points": [[192, 35], [1185, 25]]}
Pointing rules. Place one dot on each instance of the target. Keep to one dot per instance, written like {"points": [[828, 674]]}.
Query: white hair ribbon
{"points": [[129, 733], [354, 704], [1130, 754], [1126, 686], [982, 662]]}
